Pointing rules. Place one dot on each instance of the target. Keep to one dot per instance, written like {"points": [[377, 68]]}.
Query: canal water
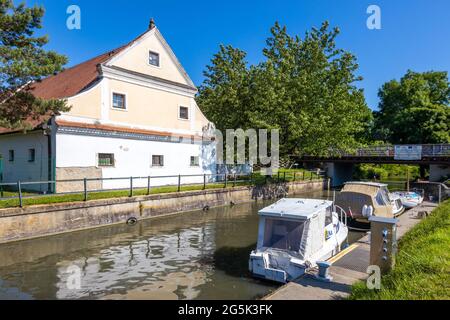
{"points": [[197, 255]]}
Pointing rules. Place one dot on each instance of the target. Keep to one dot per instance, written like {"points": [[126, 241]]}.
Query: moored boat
{"points": [[361, 200], [397, 206], [295, 234], [409, 199]]}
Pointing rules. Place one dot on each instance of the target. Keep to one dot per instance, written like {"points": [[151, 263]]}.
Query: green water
{"points": [[197, 255]]}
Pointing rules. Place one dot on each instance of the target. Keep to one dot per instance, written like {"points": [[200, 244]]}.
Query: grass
{"points": [[31, 199], [422, 270]]}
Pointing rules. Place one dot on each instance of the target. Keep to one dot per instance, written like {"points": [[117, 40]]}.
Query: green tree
{"points": [[225, 89], [22, 61], [414, 110], [305, 88]]}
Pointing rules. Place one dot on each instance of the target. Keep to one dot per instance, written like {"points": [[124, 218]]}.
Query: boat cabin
{"points": [[294, 234], [355, 196], [293, 225]]}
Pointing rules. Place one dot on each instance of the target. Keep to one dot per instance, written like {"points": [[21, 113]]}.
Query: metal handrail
{"points": [[226, 181], [342, 213]]}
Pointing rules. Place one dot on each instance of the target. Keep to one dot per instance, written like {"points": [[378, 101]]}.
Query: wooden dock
{"points": [[348, 267]]}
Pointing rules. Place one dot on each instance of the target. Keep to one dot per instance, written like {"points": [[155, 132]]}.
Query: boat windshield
{"points": [[382, 197], [283, 234]]}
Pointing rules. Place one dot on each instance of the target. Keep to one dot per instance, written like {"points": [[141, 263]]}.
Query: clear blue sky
{"points": [[415, 34]]}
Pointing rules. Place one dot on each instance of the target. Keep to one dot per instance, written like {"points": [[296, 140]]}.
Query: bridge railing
{"points": [[427, 150]]}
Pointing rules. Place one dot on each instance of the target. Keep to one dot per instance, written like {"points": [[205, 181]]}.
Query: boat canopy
{"points": [[297, 209], [294, 225], [355, 195]]}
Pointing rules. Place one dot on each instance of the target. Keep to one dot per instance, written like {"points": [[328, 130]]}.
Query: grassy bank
{"points": [[422, 270], [30, 199]]}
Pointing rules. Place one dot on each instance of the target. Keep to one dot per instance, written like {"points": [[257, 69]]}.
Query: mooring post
{"points": [[179, 183], [19, 188], [85, 194], [204, 182], [440, 194], [148, 185]]}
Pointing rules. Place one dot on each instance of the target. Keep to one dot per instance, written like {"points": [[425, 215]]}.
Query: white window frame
{"points": [[159, 59], [97, 160], [112, 100], [190, 162], [158, 155], [189, 113]]}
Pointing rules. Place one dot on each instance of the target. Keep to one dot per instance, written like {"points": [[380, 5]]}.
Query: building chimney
{"points": [[151, 24]]}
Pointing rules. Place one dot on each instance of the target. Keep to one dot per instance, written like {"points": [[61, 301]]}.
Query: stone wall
{"points": [[75, 173], [37, 221]]}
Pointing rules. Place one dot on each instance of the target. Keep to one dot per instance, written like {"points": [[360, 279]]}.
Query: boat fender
{"points": [[367, 211], [132, 221]]}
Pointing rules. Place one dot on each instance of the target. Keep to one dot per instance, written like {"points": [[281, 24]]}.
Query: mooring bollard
{"points": [[383, 243], [324, 273]]}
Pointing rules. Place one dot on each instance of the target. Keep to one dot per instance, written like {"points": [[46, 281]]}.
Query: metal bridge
{"points": [[340, 166], [426, 154]]}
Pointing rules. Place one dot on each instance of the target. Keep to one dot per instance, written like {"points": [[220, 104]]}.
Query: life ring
{"points": [[132, 221]]}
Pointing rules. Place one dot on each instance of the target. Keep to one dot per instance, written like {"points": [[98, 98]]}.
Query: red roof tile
{"points": [[73, 80]]}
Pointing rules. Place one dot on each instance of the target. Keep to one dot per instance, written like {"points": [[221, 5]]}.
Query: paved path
{"points": [[347, 267]]}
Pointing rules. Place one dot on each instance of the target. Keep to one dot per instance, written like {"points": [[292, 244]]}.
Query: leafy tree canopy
{"points": [[22, 61], [415, 109], [305, 88]]}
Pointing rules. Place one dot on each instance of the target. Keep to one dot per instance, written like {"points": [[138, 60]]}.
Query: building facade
{"points": [[133, 114]]}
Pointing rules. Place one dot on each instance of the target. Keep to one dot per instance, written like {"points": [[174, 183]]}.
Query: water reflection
{"points": [[194, 255]]}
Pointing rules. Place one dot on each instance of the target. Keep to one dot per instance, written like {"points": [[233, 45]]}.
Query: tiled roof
{"points": [[72, 80], [68, 83]]}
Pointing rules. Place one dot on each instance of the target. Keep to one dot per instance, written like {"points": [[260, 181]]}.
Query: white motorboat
{"points": [[409, 199], [397, 206], [295, 234]]}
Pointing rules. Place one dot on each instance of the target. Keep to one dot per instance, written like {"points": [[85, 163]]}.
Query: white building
{"points": [[133, 113]]}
